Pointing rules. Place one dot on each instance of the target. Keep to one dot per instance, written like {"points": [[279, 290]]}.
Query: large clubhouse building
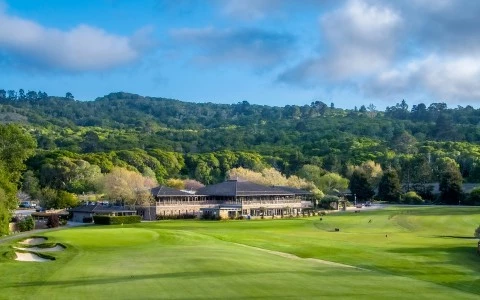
{"points": [[230, 199]]}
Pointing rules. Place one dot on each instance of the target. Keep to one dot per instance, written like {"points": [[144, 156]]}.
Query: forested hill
{"points": [[124, 110], [127, 129]]}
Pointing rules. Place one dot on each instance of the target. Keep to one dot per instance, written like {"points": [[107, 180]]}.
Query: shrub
{"points": [[327, 200], [412, 198], [211, 217], [53, 221], [477, 232], [474, 197], [175, 217], [87, 220], [115, 220], [26, 224]]}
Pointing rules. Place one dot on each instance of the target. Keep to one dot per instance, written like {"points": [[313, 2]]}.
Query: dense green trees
{"points": [[166, 138], [360, 186], [15, 147]]}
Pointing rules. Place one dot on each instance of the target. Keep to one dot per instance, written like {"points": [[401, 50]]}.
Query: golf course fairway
{"points": [[393, 253]]}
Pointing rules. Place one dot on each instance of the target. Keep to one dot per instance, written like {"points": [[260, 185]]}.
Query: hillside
{"points": [[206, 139]]}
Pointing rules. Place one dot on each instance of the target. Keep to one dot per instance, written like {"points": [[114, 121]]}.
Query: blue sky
{"points": [[273, 52]]}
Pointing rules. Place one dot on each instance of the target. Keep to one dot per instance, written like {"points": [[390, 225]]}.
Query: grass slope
{"points": [[408, 253]]}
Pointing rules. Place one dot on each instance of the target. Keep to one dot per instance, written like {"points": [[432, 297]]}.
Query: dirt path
{"points": [[292, 256]]}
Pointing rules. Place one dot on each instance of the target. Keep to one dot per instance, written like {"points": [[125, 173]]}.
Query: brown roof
{"points": [[292, 190], [240, 188], [166, 191]]}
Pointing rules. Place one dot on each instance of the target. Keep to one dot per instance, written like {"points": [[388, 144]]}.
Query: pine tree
{"points": [[390, 188]]}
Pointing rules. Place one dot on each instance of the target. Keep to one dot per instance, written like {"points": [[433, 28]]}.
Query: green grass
{"points": [[414, 253]]}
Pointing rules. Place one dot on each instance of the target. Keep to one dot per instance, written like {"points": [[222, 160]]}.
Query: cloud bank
{"points": [[395, 48], [82, 48]]}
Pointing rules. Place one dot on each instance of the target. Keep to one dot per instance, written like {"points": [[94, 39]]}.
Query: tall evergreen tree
{"points": [[451, 186], [360, 186], [390, 188]]}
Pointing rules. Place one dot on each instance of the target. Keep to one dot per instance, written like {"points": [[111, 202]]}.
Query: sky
{"points": [[269, 52]]}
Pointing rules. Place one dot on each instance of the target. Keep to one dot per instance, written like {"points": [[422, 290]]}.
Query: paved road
{"points": [[24, 212]]}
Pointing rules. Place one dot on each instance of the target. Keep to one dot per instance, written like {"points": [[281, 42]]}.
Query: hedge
{"points": [[115, 220]]}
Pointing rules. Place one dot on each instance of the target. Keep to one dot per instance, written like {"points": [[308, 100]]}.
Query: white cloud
{"points": [[362, 38], [456, 78], [83, 48]]}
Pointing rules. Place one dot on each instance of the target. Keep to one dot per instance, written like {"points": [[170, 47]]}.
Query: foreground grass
{"points": [[407, 253]]}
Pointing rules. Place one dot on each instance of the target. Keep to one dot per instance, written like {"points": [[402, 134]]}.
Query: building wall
{"points": [[78, 216], [169, 210], [270, 206]]}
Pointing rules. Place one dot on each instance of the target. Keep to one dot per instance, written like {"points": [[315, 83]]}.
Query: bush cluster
{"points": [[115, 220], [412, 198], [477, 232], [327, 200], [53, 221], [87, 220], [26, 224], [210, 217], [175, 217]]}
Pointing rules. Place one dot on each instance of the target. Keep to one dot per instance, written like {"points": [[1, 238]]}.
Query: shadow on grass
{"points": [[466, 257], [133, 278], [461, 263], [455, 237], [442, 211]]}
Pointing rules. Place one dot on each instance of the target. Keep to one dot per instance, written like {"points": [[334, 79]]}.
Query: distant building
{"points": [[86, 212], [233, 198]]}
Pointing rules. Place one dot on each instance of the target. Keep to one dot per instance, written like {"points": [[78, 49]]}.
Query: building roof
{"points": [[232, 188], [99, 208], [160, 191], [292, 190]]}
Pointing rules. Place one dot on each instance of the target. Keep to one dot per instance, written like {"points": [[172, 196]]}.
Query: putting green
{"points": [[399, 253]]}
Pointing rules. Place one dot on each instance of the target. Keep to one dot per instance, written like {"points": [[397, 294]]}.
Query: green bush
{"points": [[26, 224], [175, 217], [412, 198], [477, 232], [87, 220], [210, 217], [116, 220], [327, 200], [473, 198]]}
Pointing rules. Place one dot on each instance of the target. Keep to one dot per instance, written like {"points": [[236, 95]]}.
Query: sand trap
{"points": [[30, 257], [34, 241], [38, 249]]}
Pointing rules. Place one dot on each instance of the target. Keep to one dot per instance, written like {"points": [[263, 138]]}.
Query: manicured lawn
{"points": [[413, 253]]}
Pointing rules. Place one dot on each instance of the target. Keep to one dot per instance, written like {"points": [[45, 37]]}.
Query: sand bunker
{"points": [[38, 249], [33, 241], [30, 257]]}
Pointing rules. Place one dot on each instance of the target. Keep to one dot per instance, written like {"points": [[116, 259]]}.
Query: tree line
{"points": [[75, 144]]}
